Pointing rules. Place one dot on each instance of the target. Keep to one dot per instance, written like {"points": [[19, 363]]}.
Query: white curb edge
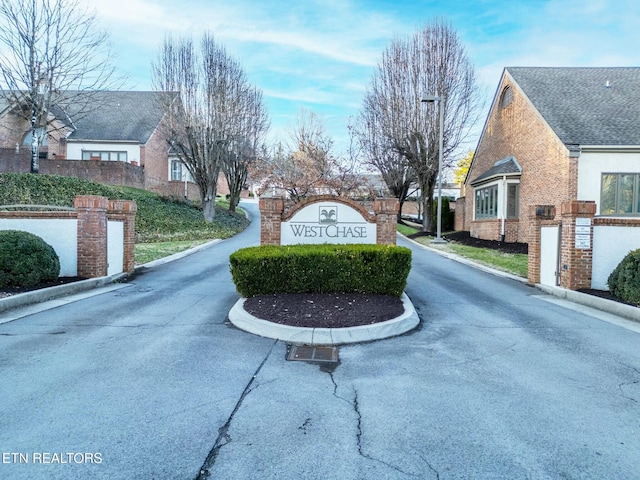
{"points": [[325, 336]]}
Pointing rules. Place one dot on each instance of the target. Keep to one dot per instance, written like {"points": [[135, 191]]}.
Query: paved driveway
{"points": [[499, 382]]}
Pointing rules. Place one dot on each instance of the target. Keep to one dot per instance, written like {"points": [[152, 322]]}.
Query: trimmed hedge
{"points": [[358, 268], [624, 281], [26, 260]]}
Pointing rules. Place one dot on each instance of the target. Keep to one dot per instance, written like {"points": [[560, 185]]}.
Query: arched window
{"points": [[26, 141], [507, 97]]}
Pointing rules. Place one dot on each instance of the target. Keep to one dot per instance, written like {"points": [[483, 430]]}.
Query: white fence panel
{"points": [[548, 255], [115, 247]]}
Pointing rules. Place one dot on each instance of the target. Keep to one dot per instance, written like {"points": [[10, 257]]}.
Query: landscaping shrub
{"points": [[26, 260], [374, 269], [624, 281]]}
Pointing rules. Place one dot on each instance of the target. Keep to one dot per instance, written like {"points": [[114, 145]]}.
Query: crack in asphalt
{"points": [[620, 387], [223, 436], [626, 384], [429, 465], [359, 434]]}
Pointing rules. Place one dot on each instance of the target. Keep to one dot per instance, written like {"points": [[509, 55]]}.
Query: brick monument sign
{"points": [[327, 219]]}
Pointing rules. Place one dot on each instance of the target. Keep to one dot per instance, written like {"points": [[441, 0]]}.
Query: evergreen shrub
{"points": [[357, 268], [26, 260], [624, 281]]}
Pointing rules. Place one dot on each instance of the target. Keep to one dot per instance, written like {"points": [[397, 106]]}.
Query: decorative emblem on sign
{"points": [[328, 214]]}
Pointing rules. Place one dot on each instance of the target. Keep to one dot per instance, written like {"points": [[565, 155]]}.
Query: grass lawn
{"points": [[147, 252], [516, 264]]}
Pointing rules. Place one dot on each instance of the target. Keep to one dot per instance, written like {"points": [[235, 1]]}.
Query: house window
{"points": [[513, 200], [42, 138], [507, 97], [176, 170], [619, 194], [486, 205], [103, 155]]}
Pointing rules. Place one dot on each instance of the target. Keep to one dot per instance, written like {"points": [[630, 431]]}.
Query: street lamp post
{"points": [[436, 99]]}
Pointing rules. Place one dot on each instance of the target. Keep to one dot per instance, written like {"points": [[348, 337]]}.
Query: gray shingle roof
{"points": [[119, 116], [580, 107], [506, 166], [122, 116]]}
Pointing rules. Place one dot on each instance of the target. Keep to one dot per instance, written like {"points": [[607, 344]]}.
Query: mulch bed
{"points": [[334, 310], [9, 291], [465, 238]]}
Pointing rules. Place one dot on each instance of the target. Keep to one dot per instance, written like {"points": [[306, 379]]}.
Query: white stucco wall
{"points": [[74, 149], [61, 234], [592, 165], [610, 245]]}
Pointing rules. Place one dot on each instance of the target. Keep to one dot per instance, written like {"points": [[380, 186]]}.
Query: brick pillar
{"points": [[577, 244], [537, 215], [125, 211], [271, 209], [92, 235], [386, 210]]}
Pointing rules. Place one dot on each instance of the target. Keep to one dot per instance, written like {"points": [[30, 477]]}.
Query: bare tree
{"points": [[54, 58], [307, 165], [215, 114], [432, 62], [379, 154], [244, 150]]}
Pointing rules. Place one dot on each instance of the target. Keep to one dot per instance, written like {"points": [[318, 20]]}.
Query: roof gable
{"points": [[585, 106], [506, 167], [121, 116]]}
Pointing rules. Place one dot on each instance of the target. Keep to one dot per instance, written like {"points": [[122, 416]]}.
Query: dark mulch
{"points": [[465, 238], [9, 291], [605, 294], [318, 310]]}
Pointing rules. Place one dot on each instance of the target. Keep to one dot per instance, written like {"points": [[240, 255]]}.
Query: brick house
{"points": [[554, 135], [121, 142]]}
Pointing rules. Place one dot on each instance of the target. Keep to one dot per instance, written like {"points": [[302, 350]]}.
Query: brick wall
{"points": [[539, 216], [460, 212], [92, 235], [576, 260], [549, 176], [92, 213], [272, 215], [576, 263], [111, 173], [491, 229]]}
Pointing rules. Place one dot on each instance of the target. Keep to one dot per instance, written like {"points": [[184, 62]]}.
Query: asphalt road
{"points": [[150, 381]]}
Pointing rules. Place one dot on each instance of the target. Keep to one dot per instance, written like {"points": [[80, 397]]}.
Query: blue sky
{"points": [[319, 55]]}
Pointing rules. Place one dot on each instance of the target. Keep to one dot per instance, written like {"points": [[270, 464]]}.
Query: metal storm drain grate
{"points": [[305, 353]]}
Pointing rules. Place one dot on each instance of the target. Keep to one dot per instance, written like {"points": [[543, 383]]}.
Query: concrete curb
{"points": [[45, 294], [616, 308], [325, 336], [609, 306]]}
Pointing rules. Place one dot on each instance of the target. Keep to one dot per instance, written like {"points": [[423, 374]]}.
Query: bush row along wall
{"points": [[95, 240]]}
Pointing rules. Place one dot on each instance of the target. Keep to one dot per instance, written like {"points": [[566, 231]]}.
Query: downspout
{"points": [[504, 208]]}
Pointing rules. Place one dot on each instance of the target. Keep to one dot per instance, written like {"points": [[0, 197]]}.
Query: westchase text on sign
{"points": [[327, 222]]}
